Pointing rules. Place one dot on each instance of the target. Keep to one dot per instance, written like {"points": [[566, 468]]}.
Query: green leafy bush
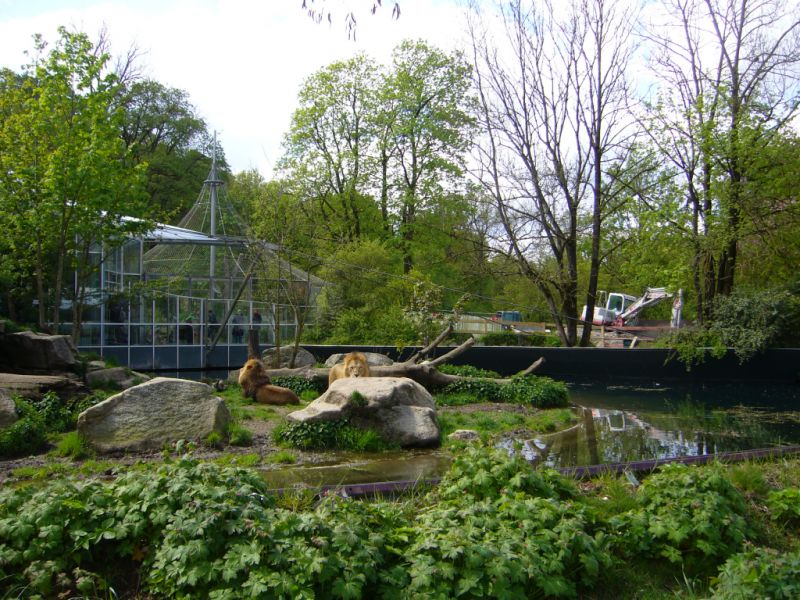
{"points": [[468, 371], [27, 436], [299, 385], [54, 412], [541, 392], [71, 537], [485, 472], [784, 505], [759, 573], [688, 515], [750, 322], [510, 338], [329, 435]]}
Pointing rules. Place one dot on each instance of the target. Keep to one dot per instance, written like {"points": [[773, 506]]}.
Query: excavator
{"points": [[620, 310]]}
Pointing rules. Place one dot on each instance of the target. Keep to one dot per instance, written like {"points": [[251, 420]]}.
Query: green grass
{"points": [[283, 457], [239, 436], [490, 424], [238, 460], [73, 445]]}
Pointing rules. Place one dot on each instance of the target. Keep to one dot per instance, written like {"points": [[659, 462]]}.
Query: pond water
{"points": [[616, 423], [630, 423]]}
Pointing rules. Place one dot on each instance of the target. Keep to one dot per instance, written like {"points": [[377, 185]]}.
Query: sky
{"points": [[242, 62]]}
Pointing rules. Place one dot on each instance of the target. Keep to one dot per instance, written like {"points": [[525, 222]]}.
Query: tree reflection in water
{"points": [[623, 424]]}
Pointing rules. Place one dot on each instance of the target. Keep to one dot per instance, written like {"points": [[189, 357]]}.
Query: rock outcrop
{"points": [[304, 358], [373, 359], [398, 408], [8, 410], [121, 377], [28, 352], [146, 416], [34, 387]]}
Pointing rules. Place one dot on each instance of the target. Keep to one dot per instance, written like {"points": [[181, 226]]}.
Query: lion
{"points": [[354, 365], [256, 384]]}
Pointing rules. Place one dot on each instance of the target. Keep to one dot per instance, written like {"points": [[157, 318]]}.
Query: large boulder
{"points": [[146, 416], [34, 387], [373, 359], [28, 352], [8, 410], [398, 408], [119, 377], [304, 358]]}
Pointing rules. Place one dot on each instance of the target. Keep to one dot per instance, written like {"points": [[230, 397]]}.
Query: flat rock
{"points": [[398, 408], [146, 416], [465, 435], [8, 410], [121, 377], [27, 351], [304, 358], [35, 386], [373, 359]]}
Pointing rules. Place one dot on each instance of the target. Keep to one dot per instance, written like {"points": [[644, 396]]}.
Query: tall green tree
{"points": [[430, 130], [163, 131], [328, 144], [66, 176]]}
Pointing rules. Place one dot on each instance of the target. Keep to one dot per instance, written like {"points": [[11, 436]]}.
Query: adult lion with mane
{"points": [[256, 384], [354, 365]]}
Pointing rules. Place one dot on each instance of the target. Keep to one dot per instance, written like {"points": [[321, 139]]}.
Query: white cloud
{"points": [[241, 61]]}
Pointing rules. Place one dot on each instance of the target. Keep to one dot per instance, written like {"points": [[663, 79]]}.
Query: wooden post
{"points": [[253, 350]]}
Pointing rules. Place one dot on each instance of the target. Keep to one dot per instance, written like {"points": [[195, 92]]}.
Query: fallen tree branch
{"points": [[427, 349], [426, 374]]}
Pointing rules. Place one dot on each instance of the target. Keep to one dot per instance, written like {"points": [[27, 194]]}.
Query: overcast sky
{"points": [[241, 61]]}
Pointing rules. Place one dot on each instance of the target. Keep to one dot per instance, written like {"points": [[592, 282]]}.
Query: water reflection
{"points": [[623, 424]]}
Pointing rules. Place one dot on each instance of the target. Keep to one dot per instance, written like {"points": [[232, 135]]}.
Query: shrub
{"points": [[299, 385], [687, 515], [501, 530], [510, 338], [329, 435], [759, 573], [784, 505], [541, 392], [487, 472], [27, 435], [55, 414], [468, 371]]}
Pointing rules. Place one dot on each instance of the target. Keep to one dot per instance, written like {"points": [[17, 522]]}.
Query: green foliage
{"points": [[693, 345], [784, 505], [468, 371], [541, 392], [329, 435], [688, 515], [283, 457], [750, 322], [214, 440], [239, 435], [27, 435], [759, 573], [66, 535], [509, 338], [488, 473], [54, 413], [299, 385], [73, 445]]}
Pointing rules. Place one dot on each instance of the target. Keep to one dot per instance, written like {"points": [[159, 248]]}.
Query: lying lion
{"points": [[256, 384], [354, 365]]}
